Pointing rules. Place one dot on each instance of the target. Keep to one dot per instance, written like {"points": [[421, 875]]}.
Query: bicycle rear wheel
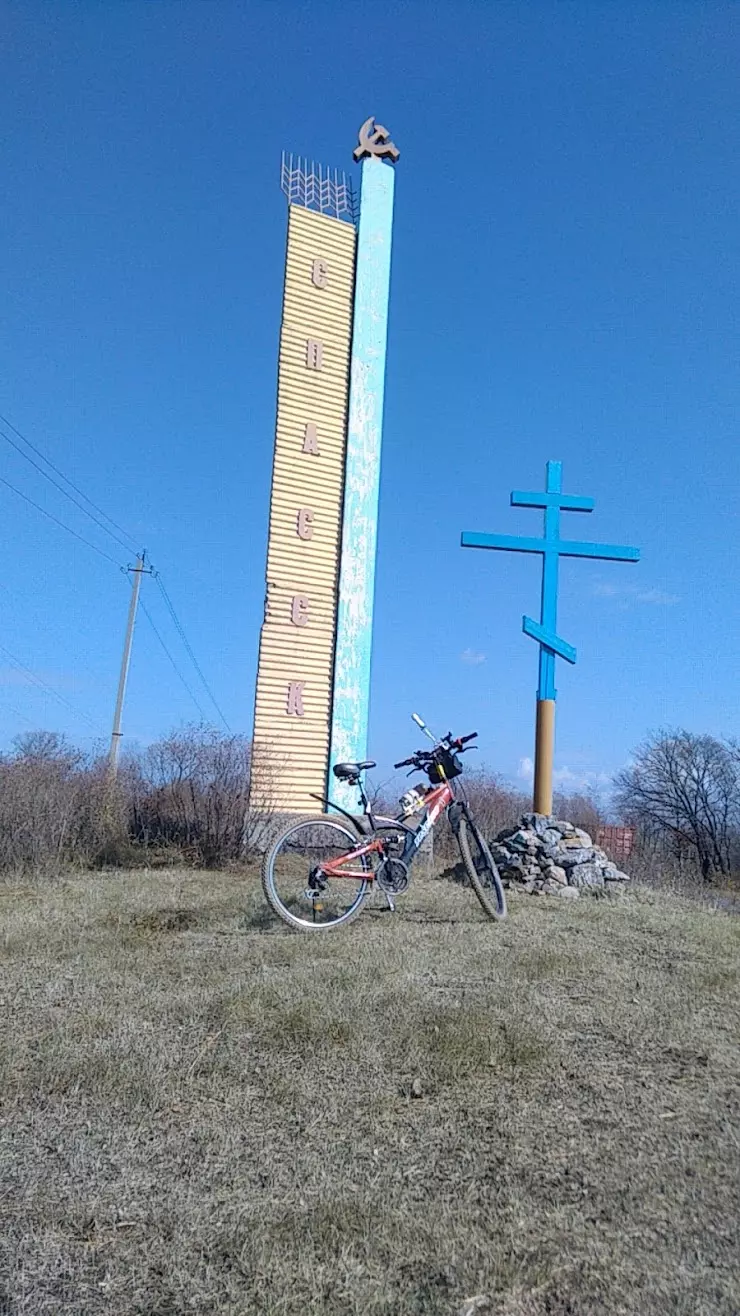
{"points": [[294, 884], [480, 868]]}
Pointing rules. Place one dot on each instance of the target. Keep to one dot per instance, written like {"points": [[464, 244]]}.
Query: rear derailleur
{"points": [[317, 884]]}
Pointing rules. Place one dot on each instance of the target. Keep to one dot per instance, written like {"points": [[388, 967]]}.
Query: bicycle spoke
{"points": [[297, 877]]}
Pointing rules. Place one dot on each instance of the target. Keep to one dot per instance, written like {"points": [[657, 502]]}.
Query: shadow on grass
{"points": [[262, 919], [167, 920], [454, 873]]}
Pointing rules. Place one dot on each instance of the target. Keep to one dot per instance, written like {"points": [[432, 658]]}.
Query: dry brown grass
{"points": [[203, 1113]]}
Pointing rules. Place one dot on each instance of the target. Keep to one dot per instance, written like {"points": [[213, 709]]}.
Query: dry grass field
{"points": [[201, 1112]]}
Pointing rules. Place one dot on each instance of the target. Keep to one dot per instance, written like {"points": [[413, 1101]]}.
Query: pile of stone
{"points": [[547, 856]]}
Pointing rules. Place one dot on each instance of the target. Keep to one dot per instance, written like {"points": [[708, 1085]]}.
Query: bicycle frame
{"points": [[435, 802]]}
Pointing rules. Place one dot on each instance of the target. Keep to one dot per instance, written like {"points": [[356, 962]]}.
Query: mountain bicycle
{"points": [[319, 871]]}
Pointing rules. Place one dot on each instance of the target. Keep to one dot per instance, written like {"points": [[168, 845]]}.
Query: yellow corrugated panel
{"points": [[293, 750]]}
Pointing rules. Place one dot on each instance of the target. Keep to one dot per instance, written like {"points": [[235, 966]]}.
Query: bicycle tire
{"points": [[467, 831], [268, 875]]}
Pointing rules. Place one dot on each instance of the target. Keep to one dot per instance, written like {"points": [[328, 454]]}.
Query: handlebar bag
{"points": [[449, 763]]}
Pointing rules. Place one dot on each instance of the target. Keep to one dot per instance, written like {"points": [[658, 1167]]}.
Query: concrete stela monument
{"points": [[313, 675]]}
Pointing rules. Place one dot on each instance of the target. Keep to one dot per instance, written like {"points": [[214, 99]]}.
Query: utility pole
{"points": [[115, 739]]}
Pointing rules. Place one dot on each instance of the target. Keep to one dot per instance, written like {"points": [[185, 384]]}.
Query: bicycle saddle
{"points": [[346, 771]]}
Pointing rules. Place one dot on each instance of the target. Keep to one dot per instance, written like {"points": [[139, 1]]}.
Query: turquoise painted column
{"points": [[351, 694]]}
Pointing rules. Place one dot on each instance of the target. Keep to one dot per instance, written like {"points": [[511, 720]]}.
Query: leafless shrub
{"points": [[582, 810], [37, 802], [56, 806], [185, 798], [191, 794], [493, 804]]}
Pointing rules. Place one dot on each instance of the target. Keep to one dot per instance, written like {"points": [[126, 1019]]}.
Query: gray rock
{"points": [[519, 841], [569, 892], [523, 841], [565, 828], [571, 858], [583, 837], [557, 874], [535, 822], [551, 852], [551, 836], [617, 876], [513, 866], [550, 888], [575, 841], [586, 875], [499, 852]]}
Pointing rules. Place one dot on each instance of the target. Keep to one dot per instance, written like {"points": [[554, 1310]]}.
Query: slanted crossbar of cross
{"points": [[552, 548]]}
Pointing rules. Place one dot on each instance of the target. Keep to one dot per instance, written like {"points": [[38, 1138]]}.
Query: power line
{"points": [[66, 479], [148, 616], [47, 688], [56, 521], [122, 541], [11, 708], [186, 642]]}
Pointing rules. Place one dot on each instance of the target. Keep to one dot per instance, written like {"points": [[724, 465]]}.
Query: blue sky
{"points": [[564, 285]]}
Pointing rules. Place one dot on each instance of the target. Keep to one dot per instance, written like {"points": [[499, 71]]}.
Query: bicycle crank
{"points": [[392, 876]]}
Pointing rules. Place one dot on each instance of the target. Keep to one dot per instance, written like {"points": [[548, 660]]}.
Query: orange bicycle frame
{"points": [[435, 802]]}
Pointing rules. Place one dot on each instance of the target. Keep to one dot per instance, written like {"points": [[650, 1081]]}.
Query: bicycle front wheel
{"points": [[295, 884], [480, 868]]}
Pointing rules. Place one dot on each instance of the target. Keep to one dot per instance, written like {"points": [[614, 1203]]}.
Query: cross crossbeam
{"points": [[568, 502], [561, 547]]}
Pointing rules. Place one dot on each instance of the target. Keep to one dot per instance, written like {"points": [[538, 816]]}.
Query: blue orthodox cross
{"points": [[552, 548]]}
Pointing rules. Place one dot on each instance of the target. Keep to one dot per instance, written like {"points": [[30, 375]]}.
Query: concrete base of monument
{"points": [[547, 856]]}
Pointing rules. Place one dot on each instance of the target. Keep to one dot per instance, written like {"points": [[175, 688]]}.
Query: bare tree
{"points": [[46, 747], [687, 788]]}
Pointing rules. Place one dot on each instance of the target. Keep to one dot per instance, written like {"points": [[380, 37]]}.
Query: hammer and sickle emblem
{"points": [[375, 141]]}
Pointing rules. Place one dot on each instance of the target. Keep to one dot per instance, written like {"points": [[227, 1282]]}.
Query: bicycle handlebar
{"points": [[423, 756]]}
